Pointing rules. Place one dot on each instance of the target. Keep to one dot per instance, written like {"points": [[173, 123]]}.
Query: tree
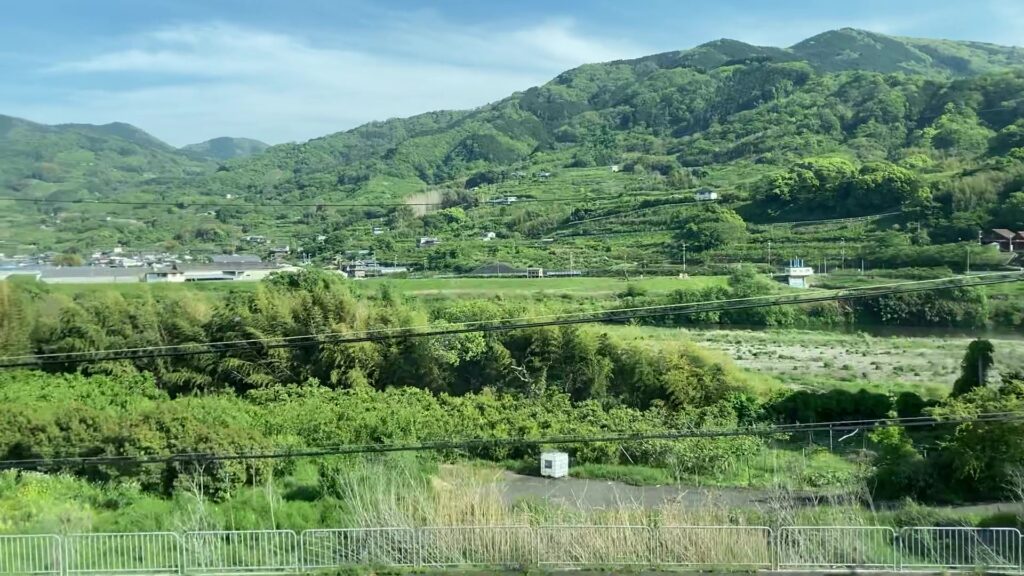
{"points": [[974, 367], [1011, 212], [716, 228], [68, 259]]}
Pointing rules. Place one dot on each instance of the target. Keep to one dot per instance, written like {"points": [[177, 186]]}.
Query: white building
{"points": [[706, 195], [171, 274], [554, 464], [487, 236], [799, 275]]}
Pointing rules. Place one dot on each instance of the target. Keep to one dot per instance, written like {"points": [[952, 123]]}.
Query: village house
{"points": [[1007, 240]]}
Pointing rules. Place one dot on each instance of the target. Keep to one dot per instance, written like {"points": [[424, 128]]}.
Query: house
{"points": [[616, 168], [705, 195], [360, 269], [245, 271], [235, 259], [377, 231], [506, 200], [278, 253], [321, 238], [159, 274], [428, 241], [544, 175], [1007, 240], [534, 272], [255, 239], [798, 274], [487, 236]]}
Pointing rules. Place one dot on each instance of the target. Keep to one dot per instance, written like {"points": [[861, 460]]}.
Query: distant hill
{"points": [[708, 104], [224, 148], [724, 114], [84, 160], [851, 49]]}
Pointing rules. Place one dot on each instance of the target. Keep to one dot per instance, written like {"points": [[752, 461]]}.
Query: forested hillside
{"points": [[845, 124], [225, 148]]}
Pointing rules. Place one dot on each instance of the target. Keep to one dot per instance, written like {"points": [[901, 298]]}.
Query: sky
{"points": [[290, 70]]}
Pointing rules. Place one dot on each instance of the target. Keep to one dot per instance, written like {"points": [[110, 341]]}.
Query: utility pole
{"points": [[769, 257], [968, 258], [684, 255], [842, 242], [570, 264]]}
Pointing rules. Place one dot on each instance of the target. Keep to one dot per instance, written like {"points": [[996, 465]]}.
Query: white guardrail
{"points": [[789, 548]]}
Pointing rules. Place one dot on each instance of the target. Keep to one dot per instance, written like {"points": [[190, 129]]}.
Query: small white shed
{"points": [[554, 464]]}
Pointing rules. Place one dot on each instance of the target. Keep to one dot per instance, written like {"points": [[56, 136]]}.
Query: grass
{"points": [[627, 474], [403, 491], [790, 467], [596, 286], [918, 362]]}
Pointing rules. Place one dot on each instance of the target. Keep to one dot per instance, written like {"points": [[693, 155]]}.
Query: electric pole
{"points": [[684, 255], [842, 242], [769, 257]]}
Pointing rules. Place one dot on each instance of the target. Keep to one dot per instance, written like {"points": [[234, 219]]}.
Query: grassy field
{"points": [[598, 286], [822, 359], [791, 468]]}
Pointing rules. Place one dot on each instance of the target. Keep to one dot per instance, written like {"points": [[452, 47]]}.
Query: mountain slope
{"points": [[671, 97], [851, 49], [224, 148], [922, 116], [83, 160]]}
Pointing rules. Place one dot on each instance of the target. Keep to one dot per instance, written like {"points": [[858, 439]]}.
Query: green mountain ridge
{"points": [[224, 148], [846, 122]]}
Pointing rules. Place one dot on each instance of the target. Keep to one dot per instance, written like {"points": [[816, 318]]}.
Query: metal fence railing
{"points": [[36, 554], [242, 552], [595, 545], [329, 548], [151, 553], [477, 546], [832, 547], [936, 549], [741, 547], [789, 548]]}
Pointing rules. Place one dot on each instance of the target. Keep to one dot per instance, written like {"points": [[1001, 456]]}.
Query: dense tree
{"points": [[974, 367], [714, 228]]}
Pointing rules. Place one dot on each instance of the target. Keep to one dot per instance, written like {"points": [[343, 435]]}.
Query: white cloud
{"points": [[198, 81]]}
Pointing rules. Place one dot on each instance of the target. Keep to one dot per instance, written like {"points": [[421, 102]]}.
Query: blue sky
{"points": [[289, 70]]}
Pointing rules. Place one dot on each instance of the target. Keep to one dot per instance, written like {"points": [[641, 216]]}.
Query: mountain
{"points": [[851, 49], [845, 123], [84, 160], [121, 131], [224, 148], [717, 102]]}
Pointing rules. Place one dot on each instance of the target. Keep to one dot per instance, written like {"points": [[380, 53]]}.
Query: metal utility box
{"points": [[554, 464]]}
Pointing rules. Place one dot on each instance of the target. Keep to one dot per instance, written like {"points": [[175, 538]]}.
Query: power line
{"points": [[469, 443], [489, 326]]}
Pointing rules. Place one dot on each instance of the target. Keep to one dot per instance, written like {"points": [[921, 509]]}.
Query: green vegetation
{"points": [[847, 123], [224, 148], [916, 144]]}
